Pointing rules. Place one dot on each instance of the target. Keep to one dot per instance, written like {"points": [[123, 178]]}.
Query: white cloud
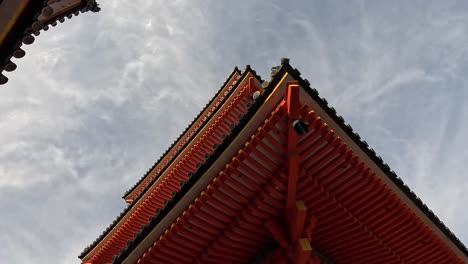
{"points": [[98, 98]]}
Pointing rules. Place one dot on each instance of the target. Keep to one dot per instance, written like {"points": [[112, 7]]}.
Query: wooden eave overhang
{"points": [[191, 154], [233, 201], [185, 137], [20, 27]]}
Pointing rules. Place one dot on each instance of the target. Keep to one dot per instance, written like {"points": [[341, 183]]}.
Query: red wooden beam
{"points": [[303, 251], [296, 226], [292, 107], [292, 99], [251, 86], [293, 175], [309, 227]]}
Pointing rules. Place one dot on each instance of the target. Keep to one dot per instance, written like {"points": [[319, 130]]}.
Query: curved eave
{"points": [[131, 248], [178, 146], [219, 157], [399, 188], [22, 32], [133, 192], [212, 126], [226, 222]]}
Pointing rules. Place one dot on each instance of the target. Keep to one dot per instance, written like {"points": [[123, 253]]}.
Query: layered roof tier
{"points": [[269, 173]]}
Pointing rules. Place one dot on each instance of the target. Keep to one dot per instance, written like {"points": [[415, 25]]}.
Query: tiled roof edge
{"points": [[130, 205], [162, 212], [26, 26], [375, 158], [234, 71], [13, 40], [247, 69]]}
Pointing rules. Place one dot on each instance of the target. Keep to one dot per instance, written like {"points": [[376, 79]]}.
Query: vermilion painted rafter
{"points": [[331, 165], [211, 214], [306, 189]]}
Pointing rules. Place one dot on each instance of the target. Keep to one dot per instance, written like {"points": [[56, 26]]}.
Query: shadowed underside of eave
{"points": [[351, 192], [211, 137], [359, 219], [185, 137]]}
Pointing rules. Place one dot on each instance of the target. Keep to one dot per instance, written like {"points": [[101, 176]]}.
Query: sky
{"points": [[99, 98]]}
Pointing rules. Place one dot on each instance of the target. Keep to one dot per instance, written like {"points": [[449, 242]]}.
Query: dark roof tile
{"points": [[27, 25]]}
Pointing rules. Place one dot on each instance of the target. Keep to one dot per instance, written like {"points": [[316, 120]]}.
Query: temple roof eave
{"points": [[401, 189], [240, 134], [135, 191], [285, 67], [29, 24], [130, 194], [137, 199]]}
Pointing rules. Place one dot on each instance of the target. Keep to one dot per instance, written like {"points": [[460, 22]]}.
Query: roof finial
{"points": [[284, 61]]}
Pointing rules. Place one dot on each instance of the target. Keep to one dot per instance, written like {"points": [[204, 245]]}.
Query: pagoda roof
{"points": [[184, 138], [21, 20], [162, 165], [137, 232]]}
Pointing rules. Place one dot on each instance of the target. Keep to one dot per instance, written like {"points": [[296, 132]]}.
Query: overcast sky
{"points": [[99, 98]]}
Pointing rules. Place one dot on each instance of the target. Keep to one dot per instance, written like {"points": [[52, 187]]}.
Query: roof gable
{"points": [[239, 140]]}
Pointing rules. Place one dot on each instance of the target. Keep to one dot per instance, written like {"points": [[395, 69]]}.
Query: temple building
{"points": [[22, 20], [269, 173]]}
